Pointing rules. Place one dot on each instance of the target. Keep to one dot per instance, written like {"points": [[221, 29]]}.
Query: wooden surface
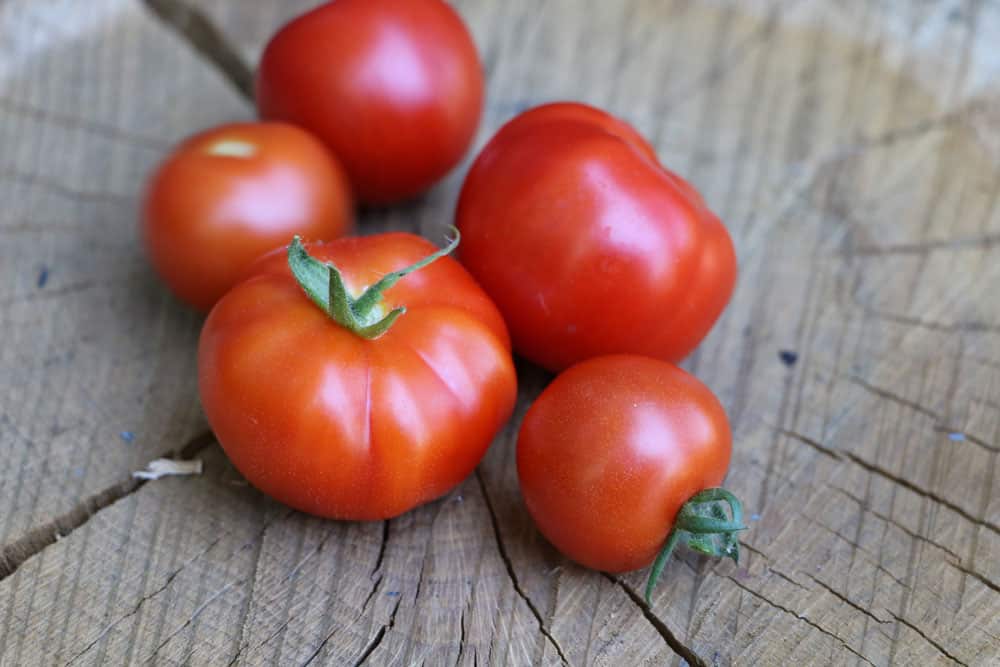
{"points": [[853, 149]]}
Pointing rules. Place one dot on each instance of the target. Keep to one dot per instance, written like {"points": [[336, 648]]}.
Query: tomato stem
{"points": [[324, 285], [703, 525]]}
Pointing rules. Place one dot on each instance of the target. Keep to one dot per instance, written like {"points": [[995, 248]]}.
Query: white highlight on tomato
{"points": [[232, 148]]}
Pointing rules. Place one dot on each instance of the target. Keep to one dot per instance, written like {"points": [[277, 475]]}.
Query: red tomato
{"points": [[334, 423], [394, 87], [610, 455], [226, 196], [587, 244]]}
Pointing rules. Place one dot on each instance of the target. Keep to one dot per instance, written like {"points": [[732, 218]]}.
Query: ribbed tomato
{"points": [[354, 392], [587, 244]]}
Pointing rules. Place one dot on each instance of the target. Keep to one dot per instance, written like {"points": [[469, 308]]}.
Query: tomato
{"points": [[618, 453], [394, 87], [355, 392], [226, 196], [587, 244]]}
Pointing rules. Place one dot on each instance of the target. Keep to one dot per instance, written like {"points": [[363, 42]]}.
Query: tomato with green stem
{"points": [[228, 195], [356, 379], [620, 459]]}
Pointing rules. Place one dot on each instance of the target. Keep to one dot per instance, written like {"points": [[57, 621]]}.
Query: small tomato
{"points": [[620, 457], [394, 88], [228, 195]]}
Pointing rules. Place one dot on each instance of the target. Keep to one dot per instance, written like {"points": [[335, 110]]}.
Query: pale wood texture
{"points": [[853, 149]]}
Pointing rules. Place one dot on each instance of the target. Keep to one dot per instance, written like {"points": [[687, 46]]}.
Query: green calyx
{"points": [[363, 315], [704, 526]]}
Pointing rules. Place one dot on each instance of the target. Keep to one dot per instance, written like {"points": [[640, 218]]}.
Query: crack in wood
{"points": [[669, 637], [467, 608], [855, 545], [143, 600], [371, 595], [930, 325], [265, 642], [262, 644], [909, 132], [105, 130], [754, 550], [511, 574], [201, 33], [55, 187], [292, 573], [819, 447], [801, 177], [245, 610], [889, 520], [941, 649], [782, 575], [924, 493], [423, 570], [846, 600], [194, 615], [985, 242], [461, 638], [374, 644], [889, 476], [381, 549], [333, 633], [39, 538], [893, 136], [981, 578], [872, 557], [52, 293], [369, 649], [894, 398], [968, 437], [801, 617], [258, 541]]}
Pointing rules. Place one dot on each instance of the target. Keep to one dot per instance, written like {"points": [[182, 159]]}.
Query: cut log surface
{"points": [[853, 150]]}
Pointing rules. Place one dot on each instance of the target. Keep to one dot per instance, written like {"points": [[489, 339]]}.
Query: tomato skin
{"points": [[394, 88], [587, 244], [348, 428], [611, 450], [227, 195]]}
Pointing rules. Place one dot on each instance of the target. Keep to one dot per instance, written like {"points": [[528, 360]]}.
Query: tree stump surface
{"points": [[853, 150]]}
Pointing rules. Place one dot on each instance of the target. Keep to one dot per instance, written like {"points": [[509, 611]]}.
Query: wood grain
{"points": [[853, 149], [97, 362]]}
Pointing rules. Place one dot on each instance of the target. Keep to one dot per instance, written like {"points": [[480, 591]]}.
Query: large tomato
{"points": [[349, 392], [394, 87], [622, 451], [587, 244], [228, 195]]}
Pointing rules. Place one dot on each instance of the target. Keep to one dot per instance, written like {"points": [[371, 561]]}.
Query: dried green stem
{"points": [[702, 524]]}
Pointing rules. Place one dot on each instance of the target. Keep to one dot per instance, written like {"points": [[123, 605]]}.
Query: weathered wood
{"points": [[97, 361], [854, 152]]}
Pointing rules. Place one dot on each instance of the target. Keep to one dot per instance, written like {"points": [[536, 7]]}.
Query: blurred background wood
{"points": [[853, 148]]}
